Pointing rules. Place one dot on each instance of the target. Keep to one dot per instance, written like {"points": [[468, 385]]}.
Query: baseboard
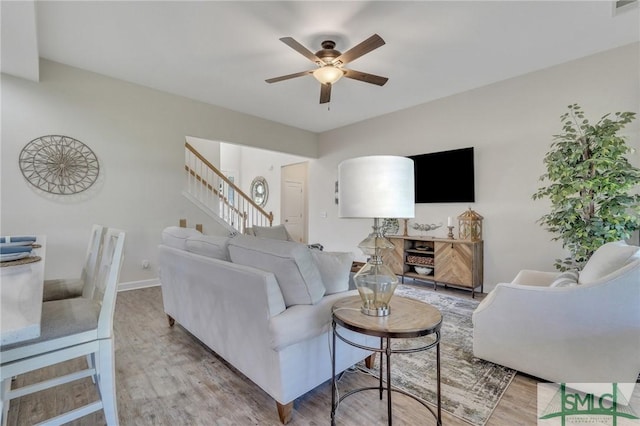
{"points": [[136, 285]]}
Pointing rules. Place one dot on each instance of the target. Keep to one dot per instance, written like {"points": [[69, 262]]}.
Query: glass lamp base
{"points": [[375, 285], [375, 282], [381, 311]]}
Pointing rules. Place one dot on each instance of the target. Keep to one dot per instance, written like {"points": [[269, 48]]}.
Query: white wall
{"points": [[211, 150], [231, 161], [259, 162], [510, 124], [138, 135]]}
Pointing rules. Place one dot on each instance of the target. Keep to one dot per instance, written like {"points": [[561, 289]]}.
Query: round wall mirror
{"points": [[259, 191]]}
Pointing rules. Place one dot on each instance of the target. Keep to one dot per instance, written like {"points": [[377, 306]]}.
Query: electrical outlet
{"points": [[145, 264]]}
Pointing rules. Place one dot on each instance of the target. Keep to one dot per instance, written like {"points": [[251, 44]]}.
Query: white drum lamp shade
{"points": [[379, 186]]}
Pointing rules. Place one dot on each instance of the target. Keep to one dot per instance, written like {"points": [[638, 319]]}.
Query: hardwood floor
{"points": [[166, 377]]}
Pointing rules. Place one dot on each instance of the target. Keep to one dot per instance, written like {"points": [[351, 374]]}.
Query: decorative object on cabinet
{"points": [[259, 191], [450, 233], [390, 226], [470, 226], [424, 227], [376, 186], [458, 263], [450, 227], [59, 165]]}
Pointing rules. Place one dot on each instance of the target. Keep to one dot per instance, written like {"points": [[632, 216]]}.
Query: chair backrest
{"points": [[107, 277], [94, 251], [606, 260]]}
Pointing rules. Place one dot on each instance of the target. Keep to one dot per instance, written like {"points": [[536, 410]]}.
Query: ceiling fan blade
{"points": [[325, 93], [363, 76], [355, 52], [289, 41], [288, 76]]}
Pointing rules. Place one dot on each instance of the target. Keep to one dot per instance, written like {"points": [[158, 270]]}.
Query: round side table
{"points": [[409, 318]]}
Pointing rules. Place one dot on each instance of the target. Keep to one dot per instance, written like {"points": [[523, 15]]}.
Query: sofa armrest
{"points": [[535, 278]]}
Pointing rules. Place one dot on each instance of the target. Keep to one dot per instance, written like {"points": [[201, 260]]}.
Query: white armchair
{"points": [[581, 331]]}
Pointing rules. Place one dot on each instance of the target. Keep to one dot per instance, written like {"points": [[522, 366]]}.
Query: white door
{"points": [[293, 209], [293, 201]]}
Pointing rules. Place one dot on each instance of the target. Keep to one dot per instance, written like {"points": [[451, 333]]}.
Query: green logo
{"points": [[583, 407]]}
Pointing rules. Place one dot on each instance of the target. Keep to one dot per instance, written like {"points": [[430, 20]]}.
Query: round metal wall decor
{"points": [[259, 191], [59, 164]]}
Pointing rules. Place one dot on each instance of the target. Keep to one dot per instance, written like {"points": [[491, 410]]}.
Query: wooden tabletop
{"points": [[408, 318]]}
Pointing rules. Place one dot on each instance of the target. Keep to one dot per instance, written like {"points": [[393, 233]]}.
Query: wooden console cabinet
{"points": [[454, 262]]}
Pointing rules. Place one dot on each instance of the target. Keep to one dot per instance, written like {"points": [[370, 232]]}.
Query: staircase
{"points": [[215, 194]]}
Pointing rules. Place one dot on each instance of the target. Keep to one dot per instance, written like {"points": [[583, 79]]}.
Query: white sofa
{"points": [[582, 329], [261, 304]]}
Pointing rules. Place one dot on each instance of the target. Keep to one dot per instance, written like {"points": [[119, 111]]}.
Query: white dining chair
{"points": [[72, 328], [65, 288]]}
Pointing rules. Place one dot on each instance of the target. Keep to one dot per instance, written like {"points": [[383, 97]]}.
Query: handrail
{"points": [[240, 211], [230, 183], [212, 189]]}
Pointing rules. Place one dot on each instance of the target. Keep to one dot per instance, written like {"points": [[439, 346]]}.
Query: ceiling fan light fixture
{"points": [[328, 74], [330, 63]]}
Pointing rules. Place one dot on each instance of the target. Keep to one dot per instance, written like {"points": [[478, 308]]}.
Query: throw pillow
{"points": [[209, 245], [278, 232], [176, 237], [335, 268], [607, 258], [291, 263], [566, 279]]}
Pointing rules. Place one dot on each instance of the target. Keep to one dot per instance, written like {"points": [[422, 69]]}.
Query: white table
{"points": [[21, 298]]}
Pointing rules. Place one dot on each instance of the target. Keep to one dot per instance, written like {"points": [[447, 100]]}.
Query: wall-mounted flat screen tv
{"points": [[445, 177]]}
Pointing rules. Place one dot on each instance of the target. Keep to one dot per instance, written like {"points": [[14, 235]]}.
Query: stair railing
{"points": [[220, 195]]}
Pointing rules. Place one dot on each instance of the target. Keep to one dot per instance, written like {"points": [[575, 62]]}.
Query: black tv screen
{"points": [[445, 177]]}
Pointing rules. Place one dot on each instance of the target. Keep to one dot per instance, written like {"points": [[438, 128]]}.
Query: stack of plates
{"points": [[14, 248], [25, 240]]}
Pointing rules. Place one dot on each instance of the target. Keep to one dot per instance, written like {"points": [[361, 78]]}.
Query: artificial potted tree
{"points": [[591, 185]]}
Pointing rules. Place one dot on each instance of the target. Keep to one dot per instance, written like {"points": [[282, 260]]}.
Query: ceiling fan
{"points": [[330, 64]]}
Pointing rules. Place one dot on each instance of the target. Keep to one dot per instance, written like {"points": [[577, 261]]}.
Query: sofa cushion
{"points": [[303, 322], [292, 264], [566, 279], [335, 268], [176, 237], [606, 259], [209, 245], [278, 232]]}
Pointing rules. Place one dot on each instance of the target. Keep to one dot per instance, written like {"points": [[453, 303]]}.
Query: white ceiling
{"points": [[221, 52]]}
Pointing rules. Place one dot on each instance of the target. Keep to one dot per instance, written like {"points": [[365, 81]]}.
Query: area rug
{"points": [[471, 387]]}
